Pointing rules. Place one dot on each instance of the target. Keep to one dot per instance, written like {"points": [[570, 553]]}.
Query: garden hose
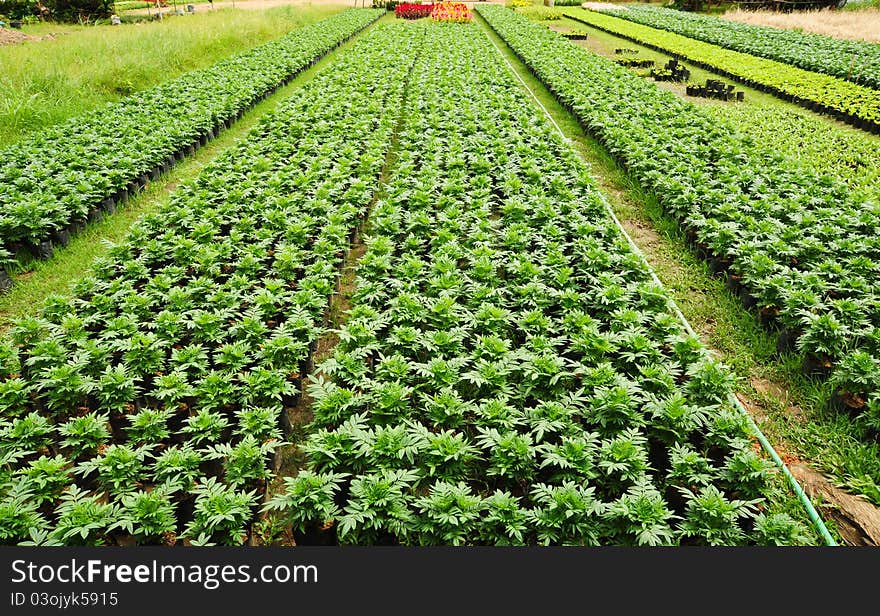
{"points": [[814, 516]]}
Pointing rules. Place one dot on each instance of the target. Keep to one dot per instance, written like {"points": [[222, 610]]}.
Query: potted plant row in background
{"points": [[846, 101], [856, 61]]}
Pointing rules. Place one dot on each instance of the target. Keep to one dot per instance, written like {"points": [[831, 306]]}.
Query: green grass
{"points": [[56, 275], [824, 439], [48, 81], [859, 5]]}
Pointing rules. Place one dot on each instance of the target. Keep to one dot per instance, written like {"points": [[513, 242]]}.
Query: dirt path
{"points": [[602, 5], [8, 36]]}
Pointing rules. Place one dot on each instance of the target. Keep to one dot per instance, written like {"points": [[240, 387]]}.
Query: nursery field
{"points": [[406, 304], [45, 82]]}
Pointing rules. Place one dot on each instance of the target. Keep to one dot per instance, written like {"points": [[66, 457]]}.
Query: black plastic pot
{"points": [[45, 250], [5, 281], [718, 266], [95, 215], [76, 226], [847, 402], [767, 316], [786, 341], [734, 284], [108, 205], [19, 251], [61, 237], [748, 300], [818, 366]]}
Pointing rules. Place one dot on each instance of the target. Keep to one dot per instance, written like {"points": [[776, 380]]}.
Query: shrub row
{"points": [[846, 101]]}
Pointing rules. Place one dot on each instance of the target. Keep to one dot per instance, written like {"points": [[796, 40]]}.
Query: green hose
{"points": [[814, 516]]}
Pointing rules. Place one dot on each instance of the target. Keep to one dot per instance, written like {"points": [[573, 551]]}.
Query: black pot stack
{"points": [[715, 89], [671, 71]]}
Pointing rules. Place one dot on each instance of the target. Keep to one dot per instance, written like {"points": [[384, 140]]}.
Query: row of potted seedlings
{"points": [[671, 71], [856, 61], [846, 101], [51, 186], [508, 373], [816, 144], [716, 90], [146, 407], [799, 247]]}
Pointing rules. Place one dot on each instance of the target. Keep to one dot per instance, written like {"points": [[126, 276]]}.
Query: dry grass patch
{"points": [[856, 25]]}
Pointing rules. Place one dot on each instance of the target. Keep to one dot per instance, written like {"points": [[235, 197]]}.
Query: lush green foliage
{"points": [[857, 61], [540, 13], [508, 372], [158, 387], [78, 11], [800, 246], [18, 9], [87, 66], [50, 185], [816, 145], [70, 11], [859, 105]]}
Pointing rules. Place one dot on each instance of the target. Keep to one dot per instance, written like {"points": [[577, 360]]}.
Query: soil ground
{"points": [[9, 36]]}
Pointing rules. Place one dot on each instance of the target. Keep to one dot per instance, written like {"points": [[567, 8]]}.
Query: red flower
{"points": [[413, 11]]}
